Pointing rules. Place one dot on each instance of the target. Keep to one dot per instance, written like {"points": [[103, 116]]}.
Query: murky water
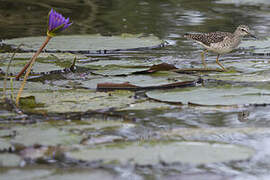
{"points": [[169, 20]]}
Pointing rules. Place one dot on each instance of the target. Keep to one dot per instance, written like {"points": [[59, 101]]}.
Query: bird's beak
{"points": [[251, 35]]}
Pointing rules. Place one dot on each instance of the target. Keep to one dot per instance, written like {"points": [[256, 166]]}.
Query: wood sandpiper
{"points": [[220, 42]]}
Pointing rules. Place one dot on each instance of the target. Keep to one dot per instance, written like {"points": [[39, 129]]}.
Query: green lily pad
{"points": [[74, 173], [102, 140], [118, 71], [262, 76], [45, 62], [37, 68], [43, 134], [4, 144], [5, 114], [147, 105], [155, 79], [213, 96], [88, 43], [42, 56], [135, 63], [151, 153], [216, 134], [9, 160], [23, 174], [97, 125], [29, 86], [244, 70], [81, 100]]}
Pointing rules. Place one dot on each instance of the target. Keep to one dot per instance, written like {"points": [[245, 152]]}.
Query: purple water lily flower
{"points": [[56, 23]]}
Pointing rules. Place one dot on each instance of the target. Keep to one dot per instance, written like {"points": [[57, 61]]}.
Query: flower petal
{"points": [[56, 23]]}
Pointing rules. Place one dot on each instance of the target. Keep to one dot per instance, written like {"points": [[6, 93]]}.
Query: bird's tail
{"points": [[188, 36]]}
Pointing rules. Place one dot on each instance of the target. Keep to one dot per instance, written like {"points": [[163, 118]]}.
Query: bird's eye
{"points": [[243, 30]]}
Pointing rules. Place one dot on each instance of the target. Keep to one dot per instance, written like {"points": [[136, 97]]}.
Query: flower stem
{"points": [[28, 66], [33, 58]]}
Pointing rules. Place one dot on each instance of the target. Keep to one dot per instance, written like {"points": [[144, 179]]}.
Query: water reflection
{"points": [[162, 18]]}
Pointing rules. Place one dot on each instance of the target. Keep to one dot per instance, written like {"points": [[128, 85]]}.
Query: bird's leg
{"points": [[203, 60], [217, 61]]}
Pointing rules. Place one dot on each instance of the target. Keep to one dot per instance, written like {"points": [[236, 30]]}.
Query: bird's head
{"points": [[243, 30]]}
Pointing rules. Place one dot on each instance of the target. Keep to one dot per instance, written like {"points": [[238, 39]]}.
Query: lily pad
{"points": [[29, 86], [155, 79], [88, 43], [4, 144], [81, 100], [147, 105], [213, 96], [222, 134], [23, 174], [46, 62], [97, 125], [262, 76], [113, 71], [5, 114], [9, 160], [151, 153], [37, 68], [42, 56], [102, 140], [135, 63], [74, 173], [43, 134]]}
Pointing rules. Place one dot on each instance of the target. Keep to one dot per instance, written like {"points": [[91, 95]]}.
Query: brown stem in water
{"points": [[29, 67]]}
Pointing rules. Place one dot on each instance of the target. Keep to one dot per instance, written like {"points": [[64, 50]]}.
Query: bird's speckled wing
{"points": [[208, 38]]}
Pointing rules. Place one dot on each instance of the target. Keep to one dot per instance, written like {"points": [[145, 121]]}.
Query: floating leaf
{"points": [[222, 134], [147, 105], [46, 61], [38, 152], [143, 81], [9, 160], [44, 56], [42, 134], [168, 152], [261, 76], [23, 174], [81, 100], [71, 174], [213, 96], [88, 43], [30, 86], [113, 71], [4, 144], [101, 140], [108, 64]]}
